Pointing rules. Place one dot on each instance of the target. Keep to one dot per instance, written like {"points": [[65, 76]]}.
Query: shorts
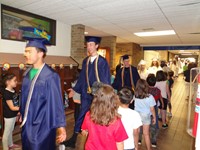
{"points": [[165, 101], [146, 119]]}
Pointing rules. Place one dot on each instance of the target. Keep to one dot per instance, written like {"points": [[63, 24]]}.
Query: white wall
{"points": [[62, 48], [161, 55], [148, 55]]}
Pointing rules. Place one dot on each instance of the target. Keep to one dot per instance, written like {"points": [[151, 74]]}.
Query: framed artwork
{"points": [[104, 52], [16, 23]]}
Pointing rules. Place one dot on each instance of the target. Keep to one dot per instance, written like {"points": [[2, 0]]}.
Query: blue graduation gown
{"points": [[46, 112], [81, 85], [127, 82]]}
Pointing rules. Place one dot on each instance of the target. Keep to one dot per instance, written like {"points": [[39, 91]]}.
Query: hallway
{"points": [[173, 138]]}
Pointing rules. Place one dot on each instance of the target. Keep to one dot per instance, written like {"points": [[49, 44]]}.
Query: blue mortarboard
{"points": [[95, 39], [37, 42], [125, 57]]}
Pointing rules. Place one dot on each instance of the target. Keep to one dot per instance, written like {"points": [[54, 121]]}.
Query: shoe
{"points": [[14, 146], [71, 142], [139, 142], [164, 126], [154, 145]]}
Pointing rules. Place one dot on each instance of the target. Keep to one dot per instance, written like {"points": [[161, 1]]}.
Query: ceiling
{"points": [[122, 18], [185, 52]]}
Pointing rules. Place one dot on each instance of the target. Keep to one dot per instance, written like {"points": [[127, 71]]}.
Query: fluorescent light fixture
{"points": [[186, 54], [156, 33]]}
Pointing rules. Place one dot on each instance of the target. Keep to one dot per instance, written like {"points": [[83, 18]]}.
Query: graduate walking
{"points": [[43, 116], [94, 69], [127, 76]]}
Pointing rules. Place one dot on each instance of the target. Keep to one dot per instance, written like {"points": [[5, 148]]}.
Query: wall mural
{"points": [[17, 23]]}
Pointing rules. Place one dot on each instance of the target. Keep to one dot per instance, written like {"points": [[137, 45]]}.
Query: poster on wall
{"points": [[102, 52], [17, 23]]}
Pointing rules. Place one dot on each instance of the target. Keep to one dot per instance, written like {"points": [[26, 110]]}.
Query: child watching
{"points": [[77, 96], [102, 123], [164, 88], [144, 104], [10, 110], [151, 80], [170, 83], [132, 125]]}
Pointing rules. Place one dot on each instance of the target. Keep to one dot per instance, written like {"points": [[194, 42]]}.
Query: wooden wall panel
{"points": [[66, 75]]}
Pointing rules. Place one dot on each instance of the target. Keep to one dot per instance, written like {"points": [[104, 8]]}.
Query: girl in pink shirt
{"points": [[102, 123]]}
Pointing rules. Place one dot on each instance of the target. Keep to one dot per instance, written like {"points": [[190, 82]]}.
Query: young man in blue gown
{"points": [[94, 69], [42, 111]]}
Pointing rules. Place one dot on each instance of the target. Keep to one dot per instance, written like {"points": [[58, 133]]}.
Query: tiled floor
{"points": [[173, 138]]}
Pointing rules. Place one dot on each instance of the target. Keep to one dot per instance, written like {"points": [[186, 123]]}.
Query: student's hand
{"points": [[153, 120], [162, 105], [61, 135], [20, 118], [71, 93], [84, 132]]}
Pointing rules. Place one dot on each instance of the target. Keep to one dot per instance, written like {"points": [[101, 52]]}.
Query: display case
{"points": [[193, 101]]}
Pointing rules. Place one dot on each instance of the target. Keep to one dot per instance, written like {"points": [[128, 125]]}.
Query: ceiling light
{"points": [[156, 33], [85, 32], [186, 54]]}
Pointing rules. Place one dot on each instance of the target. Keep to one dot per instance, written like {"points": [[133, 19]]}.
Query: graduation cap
{"points": [[94, 39], [155, 59], [37, 42], [124, 57], [142, 62]]}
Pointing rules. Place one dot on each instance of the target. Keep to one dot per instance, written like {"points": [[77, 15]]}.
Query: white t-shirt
{"points": [[92, 58], [161, 85], [131, 120], [76, 96]]}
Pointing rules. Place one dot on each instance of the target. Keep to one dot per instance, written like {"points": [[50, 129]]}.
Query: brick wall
{"points": [[78, 52], [110, 41], [134, 50]]}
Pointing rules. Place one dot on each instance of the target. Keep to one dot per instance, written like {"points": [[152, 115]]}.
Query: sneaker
{"points": [[154, 145], [139, 142], [164, 126], [14, 146]]}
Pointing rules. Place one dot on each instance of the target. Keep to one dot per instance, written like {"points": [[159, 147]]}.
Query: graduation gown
{"points": [[81, 85], [46, 111], [127, 82]]}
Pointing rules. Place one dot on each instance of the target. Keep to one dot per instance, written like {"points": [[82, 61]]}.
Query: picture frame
{"points": [[16, 23]]}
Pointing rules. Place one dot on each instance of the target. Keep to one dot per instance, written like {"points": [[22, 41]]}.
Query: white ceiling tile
{"points": [[123, 17]]}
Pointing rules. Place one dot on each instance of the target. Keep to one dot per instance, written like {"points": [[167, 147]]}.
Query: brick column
{"points": [[134, 50], [77, 43], [110, 41], [137, 54]]}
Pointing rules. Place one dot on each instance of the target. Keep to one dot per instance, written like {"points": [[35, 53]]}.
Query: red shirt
{"points": [[103, 137], [155, 92]]}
